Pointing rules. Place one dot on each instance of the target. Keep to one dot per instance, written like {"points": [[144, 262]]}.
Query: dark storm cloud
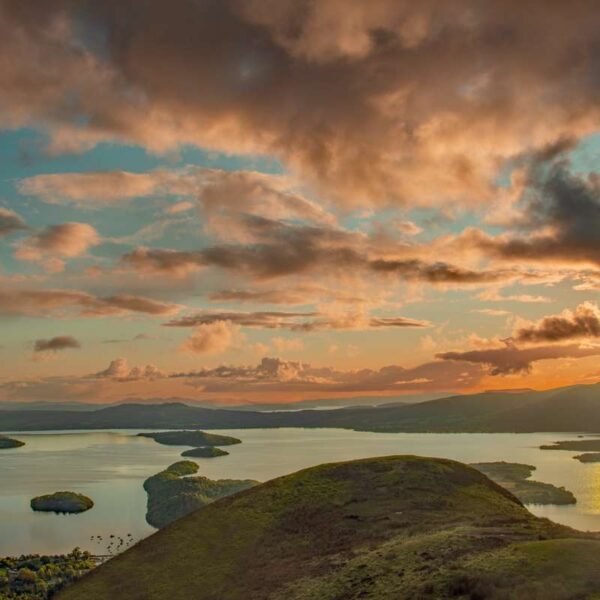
{"points": [[559, 223], [513, 360], [276, 249], [583, 322]]}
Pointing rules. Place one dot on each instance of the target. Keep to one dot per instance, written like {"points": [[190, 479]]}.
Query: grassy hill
{"points": [[400, 527]]}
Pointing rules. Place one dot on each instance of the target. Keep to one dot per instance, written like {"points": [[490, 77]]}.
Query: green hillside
{"points": [[400, 527]]}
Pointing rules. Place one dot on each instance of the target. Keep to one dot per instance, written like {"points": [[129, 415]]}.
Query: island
{"points": [[191, 438], [7, 443], [585, 445], [62, 502], [205, 452], [588, 457], [172, 493], [515, 478]]}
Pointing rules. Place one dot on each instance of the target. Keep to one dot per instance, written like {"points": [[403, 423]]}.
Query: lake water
{"points": [[110, 467]]}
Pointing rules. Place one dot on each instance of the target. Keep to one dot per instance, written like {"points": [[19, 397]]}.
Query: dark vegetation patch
{"points": [[35, 577]]}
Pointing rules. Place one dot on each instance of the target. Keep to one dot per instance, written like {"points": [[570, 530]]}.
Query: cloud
{"points": [[276, 374], [38, 303], [369, 104], [557, 223], [212, 337], [492, 312], [439, 272], [272, 379], [56, 242], [217, 193], [275, 249], [300, 294], [493, 295], [180, 207], [82, 188], [583, 322], [296, 321], [513, 360], [56, 344], [119, 370], [10, 222]]}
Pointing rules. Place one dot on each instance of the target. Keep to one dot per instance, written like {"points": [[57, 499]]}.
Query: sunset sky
{"points": [[272, 200]]}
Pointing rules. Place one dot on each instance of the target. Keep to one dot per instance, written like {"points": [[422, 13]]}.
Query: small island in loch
{"points": [[193, 438], [585, 445], [173, 494], [7, 443], [62, 502], [515, 478], [205, 452]]}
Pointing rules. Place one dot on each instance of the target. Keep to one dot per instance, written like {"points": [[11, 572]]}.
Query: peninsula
{"points": [[515, 478]]}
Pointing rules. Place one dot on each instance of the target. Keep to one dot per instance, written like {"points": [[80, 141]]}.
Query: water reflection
{"points": [[110, 467]]}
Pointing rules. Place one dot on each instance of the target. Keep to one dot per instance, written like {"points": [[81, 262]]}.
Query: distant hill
{"points": [[326, 403], [279, 406], [575, 408], [390, 528]]}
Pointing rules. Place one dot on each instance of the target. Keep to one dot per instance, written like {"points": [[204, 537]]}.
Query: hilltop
{"points": [[399, 527]]}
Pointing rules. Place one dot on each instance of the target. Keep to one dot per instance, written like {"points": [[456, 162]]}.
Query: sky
{"points": [[273, 200]]}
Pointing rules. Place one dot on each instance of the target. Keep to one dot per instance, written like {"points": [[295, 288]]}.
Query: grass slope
{"points": [[399, 527]]}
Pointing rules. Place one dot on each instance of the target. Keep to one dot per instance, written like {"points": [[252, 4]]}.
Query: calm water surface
{"points": [[110, 467]]}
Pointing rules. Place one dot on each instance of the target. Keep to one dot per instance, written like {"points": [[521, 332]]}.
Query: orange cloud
{"points": [[373, 104], [56, 302], [56, 242]]}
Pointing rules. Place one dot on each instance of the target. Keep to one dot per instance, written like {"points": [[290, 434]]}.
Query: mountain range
{"points": [[567, 409]]}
